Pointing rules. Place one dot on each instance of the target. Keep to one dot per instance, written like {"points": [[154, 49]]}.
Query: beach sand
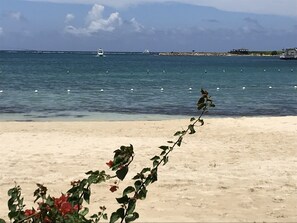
{"points": [[231, 170]]}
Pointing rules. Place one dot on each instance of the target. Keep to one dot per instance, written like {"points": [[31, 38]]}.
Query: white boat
{"points": [[146, 51], [100, 53], [289, 54]]}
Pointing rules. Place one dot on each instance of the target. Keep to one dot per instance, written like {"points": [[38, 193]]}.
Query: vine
{"points": [[68, 208]]}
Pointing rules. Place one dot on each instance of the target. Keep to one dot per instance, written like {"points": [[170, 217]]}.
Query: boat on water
{"points": [[146, 51], [100, 53], [289, 54]]}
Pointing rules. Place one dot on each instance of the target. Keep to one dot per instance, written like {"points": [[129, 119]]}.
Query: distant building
{"points": [[241, 51]]}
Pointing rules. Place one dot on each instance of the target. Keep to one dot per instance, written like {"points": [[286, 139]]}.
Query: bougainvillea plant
{"points": [[69, 208]]}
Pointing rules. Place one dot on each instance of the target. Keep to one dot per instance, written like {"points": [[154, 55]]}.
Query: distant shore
{"points": [[215, 54]]}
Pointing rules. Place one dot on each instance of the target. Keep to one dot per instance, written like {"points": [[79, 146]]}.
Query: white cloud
{"points": [[274, 7], [69, 17], [96, 22], [15, 16], [136, 25]]}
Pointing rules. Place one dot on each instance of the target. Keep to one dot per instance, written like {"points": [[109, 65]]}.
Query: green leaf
{"points": [[201, 100], [154, 175], [179, 141], [114, 217], [191, 128], [170, 141], [2, 221], [137, 184], [128, 190], [201, 122], [164, 147], [144, 170], [104, 216], [137, 176], [131, 206], [121, 212], [121, 173], [132, 217], [87, 194], [142, 193], [155, 158], [84, 212], [13, 214], [10, 202], [155, 163], [192, 119], [204, 92], [123, 200], [177, 133], [165, 160], [200, 106]]}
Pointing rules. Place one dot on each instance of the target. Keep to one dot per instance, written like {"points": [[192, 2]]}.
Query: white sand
{"points": [[242, 169]]}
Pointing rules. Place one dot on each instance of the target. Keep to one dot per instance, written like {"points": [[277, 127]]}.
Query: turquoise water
{"points": [[79, 85]]}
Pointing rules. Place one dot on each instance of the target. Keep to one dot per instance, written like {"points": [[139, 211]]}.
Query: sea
{"points": [[46, 85]]}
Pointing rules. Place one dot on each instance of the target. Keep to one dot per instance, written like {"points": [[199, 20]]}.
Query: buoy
{"points": [[1, 91], [270, 87], [205, 71], [294, 87], [162, 89], [36, 91], [243, 88], [68, 90], [132, 89], [224, 71], [278, 70], [292, 70], [101, 90], [264, 70], [218, 88], [190, 89]]}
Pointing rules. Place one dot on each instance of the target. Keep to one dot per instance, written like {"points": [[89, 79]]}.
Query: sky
{"points": [[156, 25]]}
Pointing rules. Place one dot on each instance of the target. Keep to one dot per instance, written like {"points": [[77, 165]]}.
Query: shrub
{"points": [[68, 207]]}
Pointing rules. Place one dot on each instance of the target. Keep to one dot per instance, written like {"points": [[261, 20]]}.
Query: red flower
{"points": [[63, 206], [29, 212], [109, 164], [113, 188], [58, 201]]}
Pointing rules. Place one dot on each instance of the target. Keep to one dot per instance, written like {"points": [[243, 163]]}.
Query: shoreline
{"points": [[232, 169], [115, 117]]}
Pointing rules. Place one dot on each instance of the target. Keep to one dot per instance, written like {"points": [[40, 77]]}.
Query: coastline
{"points": [[216, 54], [232, 169]]}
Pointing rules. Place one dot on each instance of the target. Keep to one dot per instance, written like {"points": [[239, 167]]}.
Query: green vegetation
{"points": [[70, 207]]}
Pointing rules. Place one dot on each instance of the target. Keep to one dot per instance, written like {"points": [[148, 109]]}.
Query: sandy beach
{"points": [[231, 170]]}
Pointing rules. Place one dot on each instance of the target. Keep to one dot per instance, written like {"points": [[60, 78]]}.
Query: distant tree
{"points": [[274, 53]]}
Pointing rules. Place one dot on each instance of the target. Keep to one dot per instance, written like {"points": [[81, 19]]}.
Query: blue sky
{"points": [[157, 25]]}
